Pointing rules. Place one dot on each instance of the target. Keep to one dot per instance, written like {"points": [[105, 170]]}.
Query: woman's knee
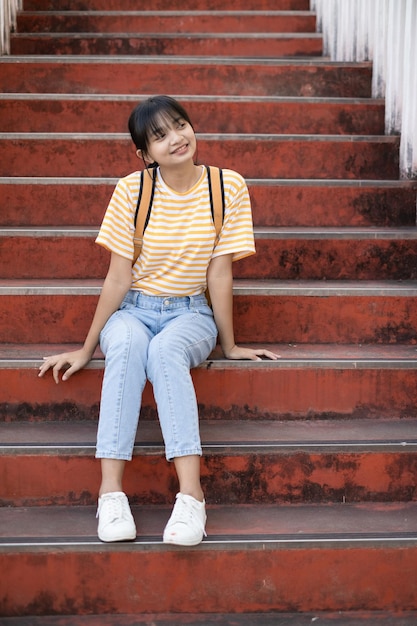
{"points": [[122, 332]]}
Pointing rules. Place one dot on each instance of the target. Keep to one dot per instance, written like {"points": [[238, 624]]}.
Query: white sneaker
{"points": [[115, 520], [186, 525]]}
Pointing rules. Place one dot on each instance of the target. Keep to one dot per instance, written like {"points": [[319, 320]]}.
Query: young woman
{"points": [[152, 320]]}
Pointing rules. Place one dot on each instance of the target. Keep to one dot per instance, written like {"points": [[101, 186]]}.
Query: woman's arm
{"points": [[116, 284], [220, 285]]}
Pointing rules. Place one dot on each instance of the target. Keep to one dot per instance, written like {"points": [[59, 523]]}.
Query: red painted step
{"points": [[265, 462], [91, 114], [230, 44], [282, 254], [268, 156], [350, 566], [163, 5], [62, 201], [339, 618], [115, 75], [305, 312], [166, 21], [307, 381]]}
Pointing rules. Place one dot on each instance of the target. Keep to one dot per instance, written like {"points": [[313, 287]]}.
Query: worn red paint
{"points": [[248, 579]]}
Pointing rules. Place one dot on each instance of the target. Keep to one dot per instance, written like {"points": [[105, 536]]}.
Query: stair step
{"points": [[327, 381], [201, 44], [163, 5], [339, 618], [299, 202], [282, 254], [305, 311], [166, 21], [243, 462], [199, 76], [300, 523], [263, 155], [101, 113], [347, 549]]}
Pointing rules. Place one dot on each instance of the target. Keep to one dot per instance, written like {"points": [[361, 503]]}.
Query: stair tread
{"points": [[339, 618], [406, 288], [134, 98], [297, 524], [261, 232], [160, 36], [161, 12], [287, 182], [175, 59], [389, 139], [221, 435], [30, 355]]}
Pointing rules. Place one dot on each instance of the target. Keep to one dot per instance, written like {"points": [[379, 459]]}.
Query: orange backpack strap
{"points": [[143, 208], [217, 203]]}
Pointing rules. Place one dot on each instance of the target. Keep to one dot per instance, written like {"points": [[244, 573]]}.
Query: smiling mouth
{"points": [[180, 149]]}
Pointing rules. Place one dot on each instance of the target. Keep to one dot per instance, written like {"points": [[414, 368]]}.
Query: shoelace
{"points": [[184, 510], [114, 509]]}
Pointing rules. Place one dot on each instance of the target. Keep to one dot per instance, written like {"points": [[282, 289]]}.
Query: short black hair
{"points": [[145, 118]]}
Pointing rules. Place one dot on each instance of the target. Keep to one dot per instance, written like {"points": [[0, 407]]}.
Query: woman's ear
{"points": [[144, 157]]}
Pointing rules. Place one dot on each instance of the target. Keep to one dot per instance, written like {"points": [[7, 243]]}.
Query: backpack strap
{"points": [[216, 191], [143, 208]]}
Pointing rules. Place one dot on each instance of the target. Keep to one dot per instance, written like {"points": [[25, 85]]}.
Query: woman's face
{"points": [[172, 142]]}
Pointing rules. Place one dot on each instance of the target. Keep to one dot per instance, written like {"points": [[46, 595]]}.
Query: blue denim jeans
{"points": [[160, 339]]}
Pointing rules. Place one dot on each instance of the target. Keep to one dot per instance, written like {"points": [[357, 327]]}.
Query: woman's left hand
{"points": [[238, 352]]}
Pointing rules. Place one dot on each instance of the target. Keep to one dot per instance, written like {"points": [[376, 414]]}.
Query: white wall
{"points": [[8, 10], [384, 32]]}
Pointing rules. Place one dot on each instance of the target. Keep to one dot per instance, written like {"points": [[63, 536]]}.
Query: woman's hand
{"points": [[238, 352], [72, 361]]}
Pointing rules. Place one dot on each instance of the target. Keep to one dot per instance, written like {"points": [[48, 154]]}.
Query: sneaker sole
{"points": [[117, 539], [182, 543]]}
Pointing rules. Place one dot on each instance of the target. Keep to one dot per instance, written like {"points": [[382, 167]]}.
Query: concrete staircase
{"points": [[310, 464]]}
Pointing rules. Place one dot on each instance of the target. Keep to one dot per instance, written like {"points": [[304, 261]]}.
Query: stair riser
{"points": [[281, 158], [284, 393], [208, 117], [241, 478], [242, 78], [176, 23], [283, 579], [249, 579], [296, 204], [166, 5], [286, 259], [330, 259], [207, 46], [277, 318]]}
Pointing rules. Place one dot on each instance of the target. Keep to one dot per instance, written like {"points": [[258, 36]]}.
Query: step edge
{"points": [[193, 98], [261, 232], [76, 35], [242, 287], [186, 60], [285, 182], [232, 543], [281, 363], [54, 136], [158, 13]]}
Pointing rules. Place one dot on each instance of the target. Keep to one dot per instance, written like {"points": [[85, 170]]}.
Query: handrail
{"points": [[384, 32], [8, 12]]}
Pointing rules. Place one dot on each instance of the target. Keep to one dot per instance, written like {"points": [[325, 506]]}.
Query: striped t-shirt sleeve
{"points": [[236, 235], [117, 229]]}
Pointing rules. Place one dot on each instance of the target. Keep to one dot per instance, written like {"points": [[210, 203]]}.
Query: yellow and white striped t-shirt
{"points": [[179, 240]]}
